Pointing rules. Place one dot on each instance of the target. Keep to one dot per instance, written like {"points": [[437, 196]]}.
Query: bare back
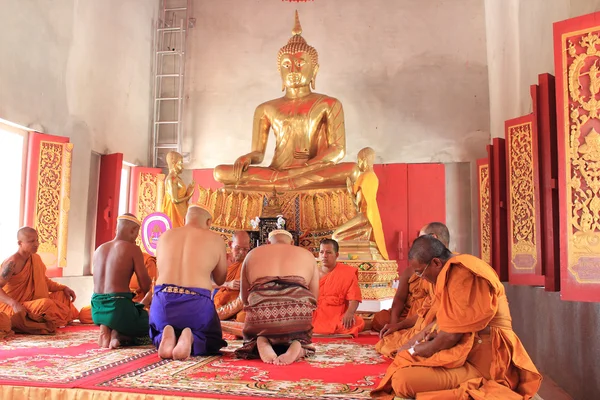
{"points": [[114, 263], [190, 256], [281, 260]]}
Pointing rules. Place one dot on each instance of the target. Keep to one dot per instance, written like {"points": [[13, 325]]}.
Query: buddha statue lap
{"points": [[310, 137]]}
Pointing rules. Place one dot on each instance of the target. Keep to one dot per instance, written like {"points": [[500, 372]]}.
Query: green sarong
{"points": [[120, 313]]}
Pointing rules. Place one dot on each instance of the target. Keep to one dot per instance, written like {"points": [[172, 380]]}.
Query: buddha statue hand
{"points": [[241, 165], [190, 189]]}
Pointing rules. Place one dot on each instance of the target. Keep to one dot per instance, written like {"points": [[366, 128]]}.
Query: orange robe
{"points": [[43, 298], [418, 291], [85, 315], [469, 298], [336, 289], [389, 345], [227, 300], [134, 285], [5, 326]]}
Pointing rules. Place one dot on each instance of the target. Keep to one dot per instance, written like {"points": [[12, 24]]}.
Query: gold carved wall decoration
{"points": [[53, 199], [306, 212], [522, 197], [147, 195], [583, 155], [485, 217]]}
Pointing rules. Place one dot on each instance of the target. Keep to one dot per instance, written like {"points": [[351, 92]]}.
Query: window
{"points": [[124, 191], [13, 186]]}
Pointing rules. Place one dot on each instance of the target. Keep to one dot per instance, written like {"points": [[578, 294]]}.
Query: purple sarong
{"points": [[183, 308]]}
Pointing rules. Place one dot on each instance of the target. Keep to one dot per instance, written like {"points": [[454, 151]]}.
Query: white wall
{"points": [[519, 47], [411, 75], [82, 69]]}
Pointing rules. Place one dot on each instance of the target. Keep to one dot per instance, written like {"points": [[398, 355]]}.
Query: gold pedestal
{"points": [[359, 250]]}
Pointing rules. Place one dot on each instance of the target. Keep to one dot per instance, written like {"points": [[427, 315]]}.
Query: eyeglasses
{"points": [[420, 274]]}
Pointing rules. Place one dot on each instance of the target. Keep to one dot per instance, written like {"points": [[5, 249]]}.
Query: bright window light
{"points": [[10, 202]]}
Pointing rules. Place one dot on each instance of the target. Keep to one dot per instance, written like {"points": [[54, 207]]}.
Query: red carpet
{"points": [[341, 368]]}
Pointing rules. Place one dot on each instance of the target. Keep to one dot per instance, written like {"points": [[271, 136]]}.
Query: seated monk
{"points": [[85, 315], [411, 293], [120, 319], [183, 319], [279, 289], [227, 299], [471, 351], [339, 295], [35, 303]]}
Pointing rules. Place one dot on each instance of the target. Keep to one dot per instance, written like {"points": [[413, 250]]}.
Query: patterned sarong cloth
{"points": [[119, 312], [182, 308], [280, 308]]}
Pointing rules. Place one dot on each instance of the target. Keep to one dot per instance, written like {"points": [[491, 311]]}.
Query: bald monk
{"points": [[339, 295], [35, 303], [471, 351], [411, 293], [183, 319], [227, 299], [115, 262], [280, 283]]}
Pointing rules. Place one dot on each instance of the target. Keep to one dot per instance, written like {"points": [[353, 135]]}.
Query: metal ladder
{"points": [[169, 70]]}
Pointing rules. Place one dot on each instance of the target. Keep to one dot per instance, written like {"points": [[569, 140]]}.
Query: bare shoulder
{"points": [[14, 258]]}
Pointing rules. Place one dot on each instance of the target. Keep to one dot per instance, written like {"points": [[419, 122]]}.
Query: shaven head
{"points": [[25, 232], [437, 230], [427, 247], [128, 227], [198, 217], [280, 236]]}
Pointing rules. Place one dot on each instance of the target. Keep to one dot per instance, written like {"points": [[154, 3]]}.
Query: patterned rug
{"points": [[341, 368]]}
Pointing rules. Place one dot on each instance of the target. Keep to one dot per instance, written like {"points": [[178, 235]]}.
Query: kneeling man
{"points": [[115, 262], [280, 283], [183, 319]]}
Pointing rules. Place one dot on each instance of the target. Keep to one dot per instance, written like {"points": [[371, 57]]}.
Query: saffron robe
{"points": [[470, 298], [418, 291], [5, 326], [227, 301], [389, 345], [134, 286], [336, 289], [43, 298], [183, 307], [85, 315]]}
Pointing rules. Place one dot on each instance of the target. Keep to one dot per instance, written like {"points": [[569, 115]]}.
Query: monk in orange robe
{"points": [[411, 293], [391, 341], [471, 350], [339, 295], [85, 315], [30, 298], [227, 300]]}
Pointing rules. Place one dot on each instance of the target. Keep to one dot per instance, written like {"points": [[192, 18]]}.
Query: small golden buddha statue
{"points": [[310, 137], [366, 225], [177, 194], [273, 207]]}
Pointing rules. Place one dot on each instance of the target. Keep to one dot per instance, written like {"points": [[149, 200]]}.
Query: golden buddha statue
{"points": [[310, 138], [273, 207], [177, 194], [366, 226]]}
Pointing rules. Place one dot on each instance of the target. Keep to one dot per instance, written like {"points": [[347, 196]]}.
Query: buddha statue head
{"points": [[175, 162], [297, 62]]}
